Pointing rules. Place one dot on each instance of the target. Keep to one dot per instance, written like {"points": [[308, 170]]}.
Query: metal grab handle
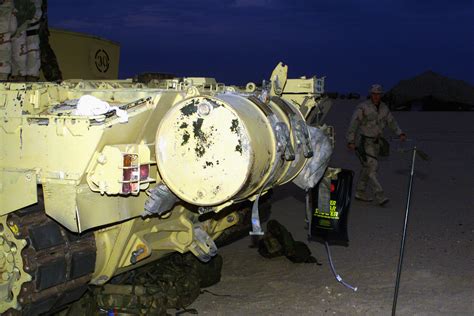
{"points": [[284, 141], [298, 127], [302, 135]]}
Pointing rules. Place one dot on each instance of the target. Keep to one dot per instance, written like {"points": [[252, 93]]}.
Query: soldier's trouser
{"points": [[7, 27], [33, 56], [26, 53], [19, 51], [368, 173], [5, 56]]}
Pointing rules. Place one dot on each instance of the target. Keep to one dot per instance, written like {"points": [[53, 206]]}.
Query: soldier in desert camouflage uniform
{"points": [[365, 135], [25, 43], [7, 28]]}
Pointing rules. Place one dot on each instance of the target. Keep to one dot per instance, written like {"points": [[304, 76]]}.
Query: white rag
{"points": [[90, 105]]}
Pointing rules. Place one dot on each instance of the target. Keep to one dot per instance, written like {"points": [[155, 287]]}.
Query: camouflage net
{"points": [[172, 282]]}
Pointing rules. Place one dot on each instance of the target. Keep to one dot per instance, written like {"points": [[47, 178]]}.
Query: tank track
{"points": [[60, 263]]}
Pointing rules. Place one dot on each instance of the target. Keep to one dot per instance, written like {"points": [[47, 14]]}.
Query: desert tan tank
{"points": [[101, 177], [85, 56]]}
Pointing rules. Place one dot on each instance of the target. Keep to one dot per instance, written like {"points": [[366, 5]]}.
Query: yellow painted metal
{"points": [[17, 189], [156, 236], [278, 79], [211, 150], [62, 148], [302, 93], [300, 86], [201, 81], [107, 172], [85, 56]]}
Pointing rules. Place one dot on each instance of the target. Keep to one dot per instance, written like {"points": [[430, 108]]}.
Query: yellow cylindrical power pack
{"points": [[211, 150]]}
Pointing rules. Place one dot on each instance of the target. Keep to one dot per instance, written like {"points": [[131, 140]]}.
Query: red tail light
{"points": [[144, 172], [134, 174], [130, 174]]}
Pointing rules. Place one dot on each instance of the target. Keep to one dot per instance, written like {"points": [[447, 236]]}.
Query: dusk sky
{"points": [[352, 42]]}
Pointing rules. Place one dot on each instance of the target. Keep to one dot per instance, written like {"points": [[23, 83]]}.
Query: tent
{"points": [[430, 91]]}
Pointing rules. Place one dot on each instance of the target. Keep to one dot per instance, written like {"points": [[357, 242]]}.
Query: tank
{"points": [[85, 56], [101, 177]]}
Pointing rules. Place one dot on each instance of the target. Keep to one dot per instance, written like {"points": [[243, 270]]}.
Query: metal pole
{"points": [[402, 246]]}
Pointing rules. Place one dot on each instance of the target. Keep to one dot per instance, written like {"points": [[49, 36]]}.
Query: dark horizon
{"points": [[352, 43]]}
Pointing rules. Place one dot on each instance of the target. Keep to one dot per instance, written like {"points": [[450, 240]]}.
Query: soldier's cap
{"points": [[376, 88]]}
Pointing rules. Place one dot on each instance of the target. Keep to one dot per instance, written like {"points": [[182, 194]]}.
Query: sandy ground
{"points": [[438, 272]]}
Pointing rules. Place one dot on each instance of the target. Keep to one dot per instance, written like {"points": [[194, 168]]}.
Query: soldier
{"points": [[7, 28], [365, 136], [25, 42]]}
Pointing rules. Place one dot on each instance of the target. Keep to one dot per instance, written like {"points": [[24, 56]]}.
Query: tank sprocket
{"points": [[12, 275]]}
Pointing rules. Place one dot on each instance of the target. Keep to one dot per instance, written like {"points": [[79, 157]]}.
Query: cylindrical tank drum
{"points": [[210, 150]]}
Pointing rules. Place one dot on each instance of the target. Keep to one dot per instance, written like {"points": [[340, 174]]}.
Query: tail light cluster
{"points": [[121, 169], [135, 174]]}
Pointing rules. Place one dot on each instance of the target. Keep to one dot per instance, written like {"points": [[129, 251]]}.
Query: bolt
{"points": [[11, 223], [102, 159], [27, 268], [25, 289], [204, 109], [230, 218], [135, 255]]}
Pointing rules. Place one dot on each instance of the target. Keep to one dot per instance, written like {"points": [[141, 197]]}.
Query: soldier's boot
{"points": [[381, 198], [362, 196]]}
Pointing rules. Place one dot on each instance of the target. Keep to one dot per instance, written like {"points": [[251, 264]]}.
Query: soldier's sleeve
{"points": [[354, 125], [392, 123]]}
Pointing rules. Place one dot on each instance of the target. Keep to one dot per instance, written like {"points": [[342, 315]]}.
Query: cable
{"points": [[337, 276]]}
